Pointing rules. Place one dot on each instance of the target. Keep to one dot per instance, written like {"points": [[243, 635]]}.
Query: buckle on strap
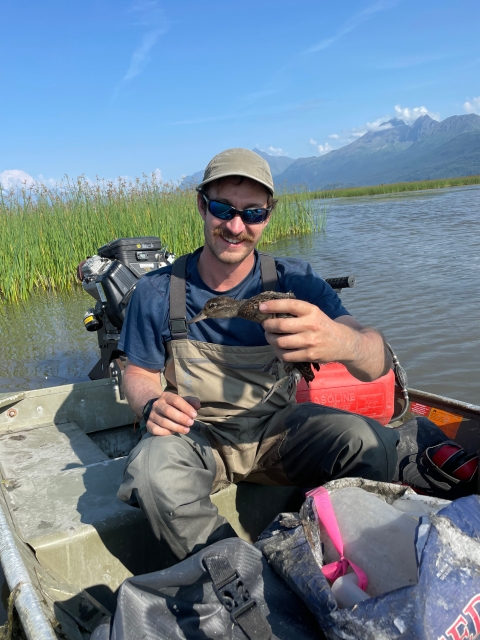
{"points": [[233, 594], [178, 325]]}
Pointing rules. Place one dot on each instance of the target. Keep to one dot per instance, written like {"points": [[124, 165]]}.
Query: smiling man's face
{"points": [[231, 241]]}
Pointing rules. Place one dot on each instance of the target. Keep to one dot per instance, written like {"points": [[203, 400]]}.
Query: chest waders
{"points": [[229, 382], [236, 437]]}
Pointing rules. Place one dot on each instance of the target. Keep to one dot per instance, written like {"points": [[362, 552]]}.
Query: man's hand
{"points": [[311, 336], [308, 337], [172, 414]]}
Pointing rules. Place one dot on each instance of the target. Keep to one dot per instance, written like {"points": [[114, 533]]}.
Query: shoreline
{"points": [[385, 189]]}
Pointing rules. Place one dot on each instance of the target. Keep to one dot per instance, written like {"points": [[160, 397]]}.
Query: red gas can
{"points": [[333, 386]]}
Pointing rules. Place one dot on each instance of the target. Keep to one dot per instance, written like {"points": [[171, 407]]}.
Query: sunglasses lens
{"points": [[254, 216], [227, 212], [220, 210]]}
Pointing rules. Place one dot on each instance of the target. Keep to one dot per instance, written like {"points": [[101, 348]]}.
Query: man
{"points": [[208, 427]]}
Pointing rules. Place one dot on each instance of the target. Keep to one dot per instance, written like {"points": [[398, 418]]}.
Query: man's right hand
{"points": [[172, 414]]}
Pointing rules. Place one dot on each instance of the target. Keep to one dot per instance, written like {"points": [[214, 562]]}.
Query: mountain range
{"points": [[397, 152]]}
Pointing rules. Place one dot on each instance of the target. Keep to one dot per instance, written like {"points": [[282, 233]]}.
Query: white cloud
{"points": [[150, 15], [473, 106], [276, 151], [380, 124], [49, 182], [16, 178], [273, 151], [407, 114], [410, 115], [355, 21], [321, 149], [13, 178], [140, 57]]}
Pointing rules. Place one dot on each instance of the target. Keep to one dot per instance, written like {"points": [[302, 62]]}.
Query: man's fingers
{"points": [[166, 428], [173, 400], [291, 340], [194, 401], [172, 414], [282, 325], [286, 305]]}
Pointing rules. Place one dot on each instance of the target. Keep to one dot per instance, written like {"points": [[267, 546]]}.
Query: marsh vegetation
{"points": [[45, 232]]}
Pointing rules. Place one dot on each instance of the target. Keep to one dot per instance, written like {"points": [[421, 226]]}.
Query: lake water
{"points": [[416, 260]]}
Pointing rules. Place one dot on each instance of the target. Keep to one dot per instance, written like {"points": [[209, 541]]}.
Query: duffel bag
{"points": [[440, 601], [227, 590]]}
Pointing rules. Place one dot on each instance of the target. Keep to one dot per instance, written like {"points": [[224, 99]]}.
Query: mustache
{"points": [[242, 237]]}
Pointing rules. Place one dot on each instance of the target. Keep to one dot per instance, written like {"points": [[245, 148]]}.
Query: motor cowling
{"points": [[110, 277]]}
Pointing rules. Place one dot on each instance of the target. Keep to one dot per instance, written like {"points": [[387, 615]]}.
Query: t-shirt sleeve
{"points": [[142, 332], [307, 285]]}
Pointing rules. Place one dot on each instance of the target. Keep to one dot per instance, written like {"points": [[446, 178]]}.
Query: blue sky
{"points": [[117, 87]]}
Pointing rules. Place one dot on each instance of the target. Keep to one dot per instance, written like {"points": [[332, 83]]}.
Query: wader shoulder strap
{"points": [[178, 299], [268, 271], [233, 594]]}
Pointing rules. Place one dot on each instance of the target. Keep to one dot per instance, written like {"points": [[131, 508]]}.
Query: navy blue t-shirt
{"points": [[146, 329]]}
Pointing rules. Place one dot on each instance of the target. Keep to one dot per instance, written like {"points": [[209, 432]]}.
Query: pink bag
{"points": [[326, 516]]}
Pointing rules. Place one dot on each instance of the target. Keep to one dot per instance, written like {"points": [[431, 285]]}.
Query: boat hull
{"points": [[62, 456]]}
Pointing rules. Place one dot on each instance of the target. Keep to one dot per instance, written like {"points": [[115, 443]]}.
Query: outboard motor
{"points": [[111, 277]]}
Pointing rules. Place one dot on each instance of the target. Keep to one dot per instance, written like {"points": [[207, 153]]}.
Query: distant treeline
{"points": [[45, 232], [396, 187]]}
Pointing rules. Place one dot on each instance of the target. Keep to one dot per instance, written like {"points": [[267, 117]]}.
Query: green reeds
{"points": [[45, 232], [397, 187]]}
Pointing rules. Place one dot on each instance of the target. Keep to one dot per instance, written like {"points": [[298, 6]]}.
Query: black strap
{"points": [[178, 299], [233, 594], [268, 271]]}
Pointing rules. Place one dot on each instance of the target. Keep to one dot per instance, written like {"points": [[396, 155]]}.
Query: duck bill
{"points": [[197, 318]]}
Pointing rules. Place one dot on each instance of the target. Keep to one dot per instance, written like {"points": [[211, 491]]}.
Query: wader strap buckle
{"points": [[230, 589]]}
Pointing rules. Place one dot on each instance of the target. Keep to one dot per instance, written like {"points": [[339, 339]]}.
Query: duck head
{"points": [[219, 307]]}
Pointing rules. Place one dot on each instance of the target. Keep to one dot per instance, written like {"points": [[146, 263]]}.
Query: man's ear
{"points": [[201, 205]]}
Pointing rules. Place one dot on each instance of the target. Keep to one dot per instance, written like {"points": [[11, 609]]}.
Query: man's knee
{"points": [[323, 443], [160, 472]]}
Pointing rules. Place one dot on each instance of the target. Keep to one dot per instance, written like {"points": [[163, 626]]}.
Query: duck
{"points": [[248, 309]]}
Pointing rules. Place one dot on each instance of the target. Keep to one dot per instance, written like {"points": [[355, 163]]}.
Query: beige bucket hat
{"points": [[238, 162]]}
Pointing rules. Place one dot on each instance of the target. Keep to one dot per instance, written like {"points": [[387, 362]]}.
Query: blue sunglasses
{"points": [[224, 211]]}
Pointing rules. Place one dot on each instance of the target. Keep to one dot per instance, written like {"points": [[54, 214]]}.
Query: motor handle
{"points": [[346, 282]]}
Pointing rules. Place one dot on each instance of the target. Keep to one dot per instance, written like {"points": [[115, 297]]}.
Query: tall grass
{"points": [[397, 187], [45, 232]]}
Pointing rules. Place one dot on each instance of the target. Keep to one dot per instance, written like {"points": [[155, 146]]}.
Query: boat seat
{"points": [[61, 490]]}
